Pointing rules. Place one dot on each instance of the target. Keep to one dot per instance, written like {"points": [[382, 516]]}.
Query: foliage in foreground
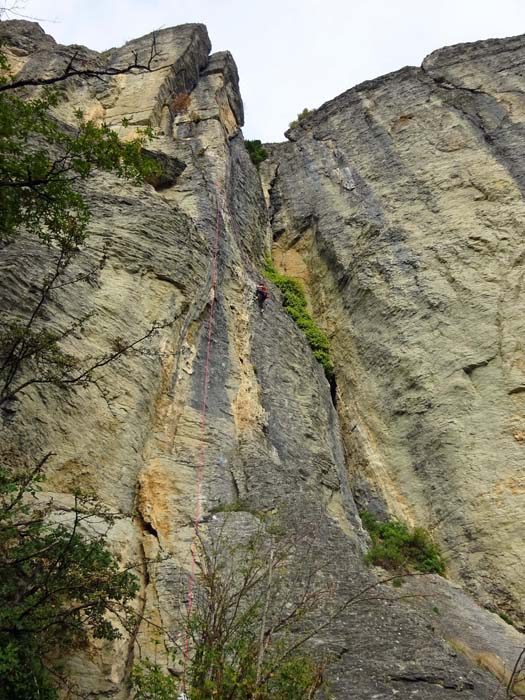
{"points": [[296, 678], [253, 598], [151, 682], [42, 163], [395, 546], [57, 586], [294, 302], [257, 153]]}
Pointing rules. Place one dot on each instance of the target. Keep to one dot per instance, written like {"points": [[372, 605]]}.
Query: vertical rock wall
{"points": [[400, 203], [273, 438]]}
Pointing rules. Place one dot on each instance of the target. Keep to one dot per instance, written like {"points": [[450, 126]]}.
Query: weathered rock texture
{"points": [[402, 215], [401, 205]]}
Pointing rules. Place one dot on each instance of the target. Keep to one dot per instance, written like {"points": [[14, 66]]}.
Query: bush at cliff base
{"points": [[56, 586], [395, 546]]}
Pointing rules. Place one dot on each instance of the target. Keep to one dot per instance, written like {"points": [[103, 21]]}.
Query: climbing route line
{"points": [[200, 467]]}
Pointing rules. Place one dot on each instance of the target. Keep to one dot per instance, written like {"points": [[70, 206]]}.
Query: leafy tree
{"points": [[42, 162], [252, 598], [151, 682], [255, 609], [57, 585]]}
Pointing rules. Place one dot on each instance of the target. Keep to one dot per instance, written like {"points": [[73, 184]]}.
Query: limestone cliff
{"points": [[399, 204], [402, 203]]}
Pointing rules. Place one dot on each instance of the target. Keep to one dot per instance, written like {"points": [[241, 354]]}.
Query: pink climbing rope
{"points": [[200, 467]]}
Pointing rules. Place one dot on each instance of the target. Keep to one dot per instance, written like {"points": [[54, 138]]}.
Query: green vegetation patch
{"points": [[233, 507], [302, 115], [397, 547], [506, 618], [256, 151], [56, 586], [294, 302]]}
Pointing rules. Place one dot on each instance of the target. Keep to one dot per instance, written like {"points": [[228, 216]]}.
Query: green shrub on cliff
{"points": [[258, 154], [302, 115], [294, 302], [397, 547]]}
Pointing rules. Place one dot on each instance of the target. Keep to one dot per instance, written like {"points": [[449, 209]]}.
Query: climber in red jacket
{"points": [[261, 294]]}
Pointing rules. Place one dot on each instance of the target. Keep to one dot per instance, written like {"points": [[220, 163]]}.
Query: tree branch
{"points": [[72, 71]]}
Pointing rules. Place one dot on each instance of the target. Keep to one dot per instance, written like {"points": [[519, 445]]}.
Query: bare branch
{"points": [[72, 71]]}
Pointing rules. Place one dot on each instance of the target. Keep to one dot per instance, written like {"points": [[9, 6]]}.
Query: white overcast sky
{"points": [[292, 53]]}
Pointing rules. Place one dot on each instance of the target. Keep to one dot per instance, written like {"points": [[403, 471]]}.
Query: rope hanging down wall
{"points": [[200, 467]]}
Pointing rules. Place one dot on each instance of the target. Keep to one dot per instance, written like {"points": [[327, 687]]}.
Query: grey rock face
{"points": [[273, 438], [401, 205], [24, 38]]}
